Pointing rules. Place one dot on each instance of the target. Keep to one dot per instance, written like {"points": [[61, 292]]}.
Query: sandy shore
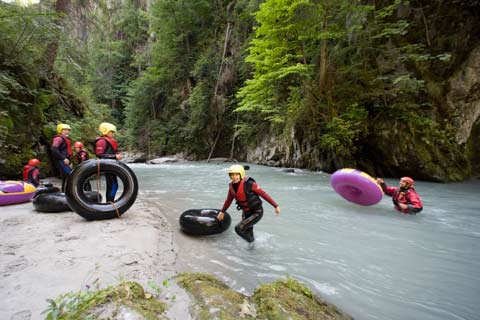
{"points": [[45, 255]]}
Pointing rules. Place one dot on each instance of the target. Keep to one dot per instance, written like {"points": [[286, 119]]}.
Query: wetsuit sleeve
{"points": [[56, 143], [263, 194], [228, 202], [100, 147], [389, 191]]}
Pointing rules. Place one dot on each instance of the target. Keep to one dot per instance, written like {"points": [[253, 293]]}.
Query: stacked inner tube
{"points": [[46, 189], [92, 210], [203, 222], [54, 202]]}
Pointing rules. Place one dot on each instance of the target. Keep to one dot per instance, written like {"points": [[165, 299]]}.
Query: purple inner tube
{"points": [[9, 187], [14, 192], [356, 186]]}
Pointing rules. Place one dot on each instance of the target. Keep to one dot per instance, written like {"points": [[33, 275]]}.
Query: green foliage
{"points": [[186, 72], [342, 133], [113, 63], [83, 304], [278, 56]]}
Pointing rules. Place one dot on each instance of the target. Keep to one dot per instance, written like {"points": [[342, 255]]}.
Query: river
{"points": [[372, 262]]}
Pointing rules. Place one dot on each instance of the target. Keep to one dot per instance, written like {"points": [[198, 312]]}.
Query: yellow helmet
{"points": [[62, 126], [236, 168], [106, 127]]}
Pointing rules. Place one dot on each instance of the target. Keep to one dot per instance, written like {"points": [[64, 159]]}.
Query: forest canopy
{"points": [[315, 84]]}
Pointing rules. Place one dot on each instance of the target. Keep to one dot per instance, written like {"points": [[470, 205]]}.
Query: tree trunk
{"points": [[323, 60], [51, 52], [216, 101]]}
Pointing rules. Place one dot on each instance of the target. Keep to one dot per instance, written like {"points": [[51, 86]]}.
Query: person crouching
{"points": [[247, 193]]}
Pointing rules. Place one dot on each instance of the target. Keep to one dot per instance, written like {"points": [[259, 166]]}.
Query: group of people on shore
{"points": [[64, 159]]}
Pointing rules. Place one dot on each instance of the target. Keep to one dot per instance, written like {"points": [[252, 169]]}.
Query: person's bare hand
{"points": [[66, 161], [277, 211], [220, 216], [403, 206], [380, 180]]}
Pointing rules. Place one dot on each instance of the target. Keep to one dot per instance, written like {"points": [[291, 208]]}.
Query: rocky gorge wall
{"points": [[395, 149]]}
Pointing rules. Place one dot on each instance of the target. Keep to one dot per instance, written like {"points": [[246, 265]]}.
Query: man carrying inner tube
{"points": [[247, 193], [62, 152], [106, 148], [404, 197]]}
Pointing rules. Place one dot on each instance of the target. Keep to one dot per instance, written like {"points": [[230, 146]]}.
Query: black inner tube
{"points": [[203, 222], [56, 202], [76, 194]]}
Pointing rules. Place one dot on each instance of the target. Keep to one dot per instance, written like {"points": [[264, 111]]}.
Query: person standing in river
{"points": [[62, 152], [247, 193], [404, 197]]}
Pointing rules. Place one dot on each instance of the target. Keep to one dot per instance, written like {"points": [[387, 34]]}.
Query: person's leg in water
{"points": [[245, 227], [64, 172], [112, 186]]}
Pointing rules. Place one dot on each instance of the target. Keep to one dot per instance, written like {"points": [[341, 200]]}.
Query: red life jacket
{"points": [[245, 197], [110, 148], [65, 148], [408, 196], [30, 175]]}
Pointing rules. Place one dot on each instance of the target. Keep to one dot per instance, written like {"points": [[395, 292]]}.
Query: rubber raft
{"points": [[12, 192], [203, 222]]}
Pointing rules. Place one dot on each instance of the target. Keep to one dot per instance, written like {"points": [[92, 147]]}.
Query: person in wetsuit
{"points": [[404, 197], [81, 155], [247, 193], [62, 152], [31, 172], [106, 148]]}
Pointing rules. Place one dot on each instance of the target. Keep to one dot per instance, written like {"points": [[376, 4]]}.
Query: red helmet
{"points": [[408, 180], [78, 144], [34, 162]]}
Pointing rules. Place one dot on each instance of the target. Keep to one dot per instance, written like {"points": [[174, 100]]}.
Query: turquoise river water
{"points": [[372, 262]]}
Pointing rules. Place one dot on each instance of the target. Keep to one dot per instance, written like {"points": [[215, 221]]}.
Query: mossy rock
{"points": [[126, 298], [214, 299], [289, 299], [283, 299]]}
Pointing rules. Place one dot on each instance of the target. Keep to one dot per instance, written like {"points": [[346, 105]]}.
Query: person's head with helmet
{"points": [[406, 183], [107, 129], [63, 129], [236, 173], [78, 146], [34, 162]]}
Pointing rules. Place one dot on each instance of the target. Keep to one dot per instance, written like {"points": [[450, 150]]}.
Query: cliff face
{"points": [[463, 98], [395, 148]]}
